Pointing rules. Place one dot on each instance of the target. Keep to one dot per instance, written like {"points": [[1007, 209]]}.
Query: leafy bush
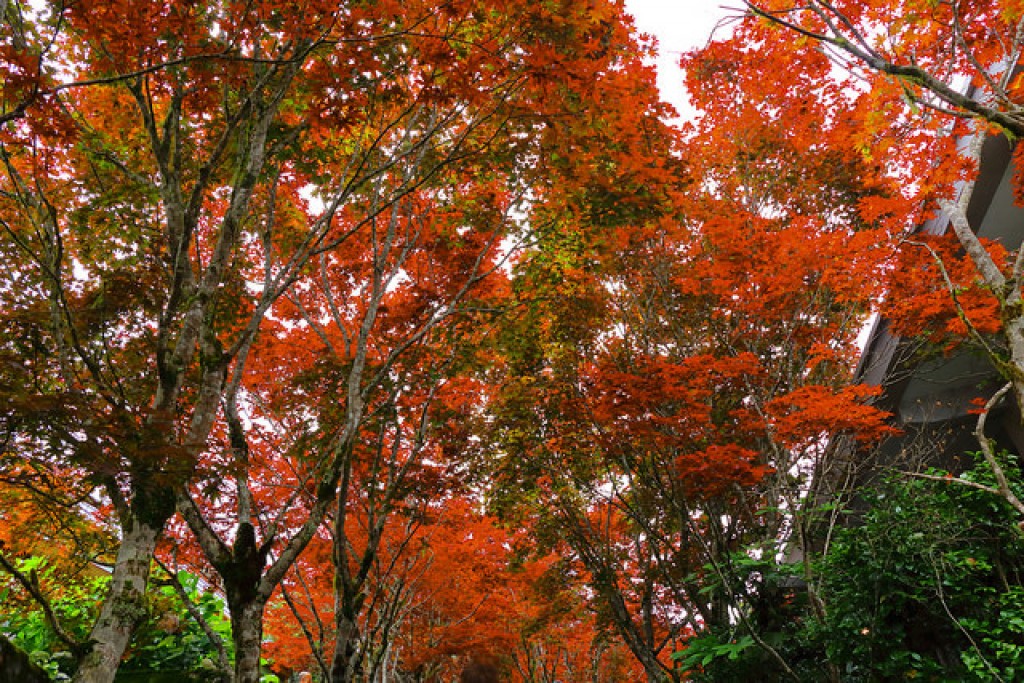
{"points": [[926, 584], [74, 605], [169, 640]]}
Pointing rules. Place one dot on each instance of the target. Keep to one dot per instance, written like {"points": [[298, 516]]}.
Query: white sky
{"points": [[679, 25]]}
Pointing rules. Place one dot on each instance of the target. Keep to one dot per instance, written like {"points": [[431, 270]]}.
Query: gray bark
{"points": [[124, 606], [346, 663], [247, 634]]}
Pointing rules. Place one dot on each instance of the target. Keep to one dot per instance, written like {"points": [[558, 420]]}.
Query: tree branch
{"points": [[31, 584], [223, 662]]}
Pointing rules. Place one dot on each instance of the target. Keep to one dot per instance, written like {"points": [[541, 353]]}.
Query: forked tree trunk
{"points": [[125, 605]]}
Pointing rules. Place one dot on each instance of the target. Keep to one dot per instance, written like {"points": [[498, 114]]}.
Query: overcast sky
{"points": [[679, 25]]}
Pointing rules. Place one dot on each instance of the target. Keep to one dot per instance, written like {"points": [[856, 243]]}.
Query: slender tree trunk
{"points": [[1014, 331], [125, 604], [631, 635]]}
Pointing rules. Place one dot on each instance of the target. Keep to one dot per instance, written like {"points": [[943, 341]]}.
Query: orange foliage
{"points": [[935, 292], [462, 591]]}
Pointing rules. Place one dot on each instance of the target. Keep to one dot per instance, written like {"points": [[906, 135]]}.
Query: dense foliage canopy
{"points": [[412, 341]]}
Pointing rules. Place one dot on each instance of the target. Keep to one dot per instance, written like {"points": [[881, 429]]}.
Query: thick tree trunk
{"points": [[247, 634], [124, 606]]}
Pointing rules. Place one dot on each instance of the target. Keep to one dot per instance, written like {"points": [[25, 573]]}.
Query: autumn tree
{"points": [[450, 587], [156, 174], [188, 188], [932, 75], [920, 91], [675, 402], [389, 309]]}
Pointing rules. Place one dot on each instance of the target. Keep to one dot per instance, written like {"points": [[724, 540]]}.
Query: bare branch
{"points": [[987, 452]]}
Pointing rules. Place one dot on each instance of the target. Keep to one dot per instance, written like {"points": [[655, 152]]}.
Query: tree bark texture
{"points": [[124, 606]]}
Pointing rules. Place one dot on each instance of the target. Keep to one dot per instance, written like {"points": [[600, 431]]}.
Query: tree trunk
{"points": [[124, 606], [345, 663], [1014, 331], [247, 635]]}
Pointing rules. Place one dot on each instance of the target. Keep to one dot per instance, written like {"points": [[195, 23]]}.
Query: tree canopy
{"points": [[413, 341]]}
